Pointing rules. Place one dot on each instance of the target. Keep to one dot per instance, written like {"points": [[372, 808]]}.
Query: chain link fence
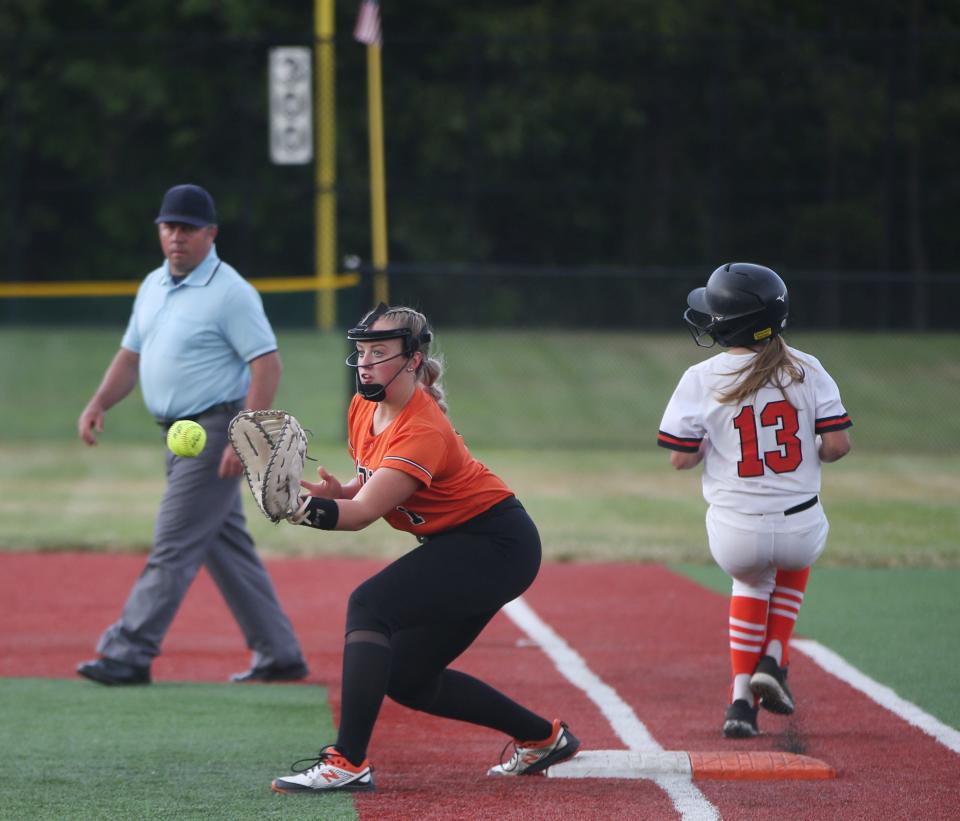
{"points": [[579, 182]]}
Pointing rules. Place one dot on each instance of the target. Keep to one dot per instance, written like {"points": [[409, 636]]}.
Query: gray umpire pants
{"points": [[201, 522]]}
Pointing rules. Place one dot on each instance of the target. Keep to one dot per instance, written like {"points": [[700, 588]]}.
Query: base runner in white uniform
{"points": [[762, 417]]}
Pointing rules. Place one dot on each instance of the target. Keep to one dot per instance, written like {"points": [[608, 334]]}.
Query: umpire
{"points": [[201, 345]]}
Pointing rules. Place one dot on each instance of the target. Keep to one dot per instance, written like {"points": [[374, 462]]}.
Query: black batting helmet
{"points": [[741, 305]]}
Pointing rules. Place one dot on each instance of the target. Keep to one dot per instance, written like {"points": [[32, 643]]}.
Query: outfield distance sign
{"points": [[291, 105]]}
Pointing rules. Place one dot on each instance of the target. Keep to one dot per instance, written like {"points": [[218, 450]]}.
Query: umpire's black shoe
{"points": [[769, 684], [110, 671], [272, 672], [740, 720]]}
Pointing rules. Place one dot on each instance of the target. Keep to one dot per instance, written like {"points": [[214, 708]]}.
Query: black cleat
{"points": [[740, 720], [769, 684]]}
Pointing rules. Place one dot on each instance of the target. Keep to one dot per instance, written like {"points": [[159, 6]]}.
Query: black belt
{"points": [[801, 507], [222, 407]]}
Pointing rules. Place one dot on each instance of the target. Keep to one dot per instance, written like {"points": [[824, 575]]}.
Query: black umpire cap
{"points": [[188, 203]]}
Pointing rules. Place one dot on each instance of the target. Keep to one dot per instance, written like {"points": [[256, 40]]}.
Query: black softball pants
{"points": [[407, 623]]}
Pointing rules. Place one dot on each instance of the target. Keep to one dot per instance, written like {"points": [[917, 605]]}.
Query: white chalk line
{"points": [[879, 693], [686, 797], [689, 802]]}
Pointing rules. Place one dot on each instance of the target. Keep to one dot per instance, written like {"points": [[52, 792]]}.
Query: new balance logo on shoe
{"points": [[329, 772], [533, 757]]}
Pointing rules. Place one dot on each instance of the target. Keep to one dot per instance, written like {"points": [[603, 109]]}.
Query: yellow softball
{"points": [[186, 438]]}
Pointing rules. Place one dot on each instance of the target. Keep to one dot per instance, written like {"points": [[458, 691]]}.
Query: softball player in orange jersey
{"points": [[478, 550], [762, 417]]}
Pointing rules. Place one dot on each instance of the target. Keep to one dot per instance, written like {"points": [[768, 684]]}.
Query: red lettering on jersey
{"points": [[749, 464], [781, 415], [784, 415]]}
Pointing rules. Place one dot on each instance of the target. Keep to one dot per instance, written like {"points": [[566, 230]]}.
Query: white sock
{"points": [[741, 688], [775, 649]]}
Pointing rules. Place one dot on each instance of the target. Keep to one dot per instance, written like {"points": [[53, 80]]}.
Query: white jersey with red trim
{"points": [[760, 456]]}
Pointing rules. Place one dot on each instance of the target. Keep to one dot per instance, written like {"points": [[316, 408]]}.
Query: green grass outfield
{"points": [[568, 419], [514, 390], [885, 510]]}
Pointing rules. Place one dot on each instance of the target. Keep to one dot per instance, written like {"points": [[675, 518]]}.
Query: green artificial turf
{"points": [[75, 750]]}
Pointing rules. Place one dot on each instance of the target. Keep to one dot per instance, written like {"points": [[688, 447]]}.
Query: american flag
{"points": [[367, 29]]}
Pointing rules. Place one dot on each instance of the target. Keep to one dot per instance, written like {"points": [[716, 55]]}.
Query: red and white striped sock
{"points": [[747, 628], [784, 609]]}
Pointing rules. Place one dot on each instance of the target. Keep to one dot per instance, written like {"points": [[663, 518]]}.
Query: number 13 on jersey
{"points": [[780, 415]]}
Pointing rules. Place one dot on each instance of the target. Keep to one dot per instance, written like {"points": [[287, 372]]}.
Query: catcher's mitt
{"points": [[272, 446]]}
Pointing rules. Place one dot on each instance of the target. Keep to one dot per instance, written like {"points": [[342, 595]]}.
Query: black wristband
{"points": [[321, 513]]}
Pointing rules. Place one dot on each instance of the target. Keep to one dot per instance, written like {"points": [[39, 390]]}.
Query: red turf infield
{"points": [[653, 636]]}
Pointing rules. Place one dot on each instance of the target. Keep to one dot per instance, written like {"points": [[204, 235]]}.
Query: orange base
{"points": [[715, 766], [758, 766]]}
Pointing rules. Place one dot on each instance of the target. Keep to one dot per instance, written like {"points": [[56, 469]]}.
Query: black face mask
{"points": [[375, 392]]}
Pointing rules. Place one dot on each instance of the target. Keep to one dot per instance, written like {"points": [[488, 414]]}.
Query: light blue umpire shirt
{"points": [[196, 337]]}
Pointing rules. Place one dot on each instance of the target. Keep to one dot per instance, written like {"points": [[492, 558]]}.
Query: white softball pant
{"points": [[750, 548]]}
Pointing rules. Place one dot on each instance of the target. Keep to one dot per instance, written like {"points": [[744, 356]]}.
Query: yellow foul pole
{"points": [[378, 185], [325, 194]]}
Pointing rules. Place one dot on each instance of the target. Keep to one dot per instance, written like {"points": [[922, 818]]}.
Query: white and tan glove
{"points": [[272, 446]]}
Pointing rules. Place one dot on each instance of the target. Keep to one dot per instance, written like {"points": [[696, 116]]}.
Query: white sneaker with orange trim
{"points": [[532, 757], [329, 772]]}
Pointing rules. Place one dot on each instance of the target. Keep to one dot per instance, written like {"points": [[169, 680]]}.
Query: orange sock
{"points": [[784, 609], [747, 627]]}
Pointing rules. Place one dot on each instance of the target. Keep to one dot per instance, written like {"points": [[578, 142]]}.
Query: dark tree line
{"points": [[617, 141]]}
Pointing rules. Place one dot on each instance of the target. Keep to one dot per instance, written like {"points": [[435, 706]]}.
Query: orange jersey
{"points": [[421, 442]]}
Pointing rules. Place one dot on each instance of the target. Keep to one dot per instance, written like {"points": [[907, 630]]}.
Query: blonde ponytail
{"points": [[430, 370], [430, 373], [774, 365]]}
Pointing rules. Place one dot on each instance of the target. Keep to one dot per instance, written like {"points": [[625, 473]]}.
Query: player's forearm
{"points": [[685, 461], [383, 492], [264, 380], [359, 510], [333, 514], [349, 490], [834, 445], [356, 515], [119, 379]]}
